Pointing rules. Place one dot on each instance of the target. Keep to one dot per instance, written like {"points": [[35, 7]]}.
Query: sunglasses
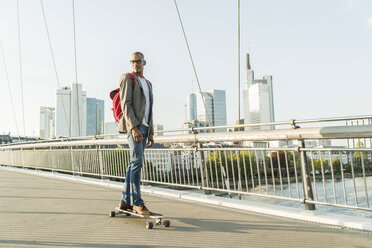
{"points": [[138, 61]]}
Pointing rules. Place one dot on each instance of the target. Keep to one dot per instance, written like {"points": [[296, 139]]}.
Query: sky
{"points": [[318, 52]]}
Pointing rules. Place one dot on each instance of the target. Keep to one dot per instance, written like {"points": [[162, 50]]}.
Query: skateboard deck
{"points": [[149, 225], [152, 216]]}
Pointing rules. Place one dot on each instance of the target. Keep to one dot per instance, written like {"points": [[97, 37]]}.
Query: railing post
{"points": [[35, 159], [100, 161], [22, 158], [204, 171], [306, 182], [51, 159], [72, 161], [11, 157]]}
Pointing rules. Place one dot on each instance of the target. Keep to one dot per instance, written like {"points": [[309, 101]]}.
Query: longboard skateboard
{"points": [[149, 224]]}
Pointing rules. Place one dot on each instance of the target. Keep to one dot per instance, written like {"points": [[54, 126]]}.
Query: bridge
{"points": [[212, 186], [59, 192], [43, 212]]}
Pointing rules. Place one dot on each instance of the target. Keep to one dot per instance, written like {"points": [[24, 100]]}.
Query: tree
{"points": [[336, 165], [318, 164], [228, 166], [359, 156]]}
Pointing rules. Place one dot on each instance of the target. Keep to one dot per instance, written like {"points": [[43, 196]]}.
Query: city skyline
{"points": [[206, 108], [71, 111], [95, 116], [318, 53], [86, 117], [47, 122], [258, 98]]}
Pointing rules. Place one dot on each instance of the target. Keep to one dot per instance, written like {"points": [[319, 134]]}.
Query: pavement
{"points": [[45, 212]]}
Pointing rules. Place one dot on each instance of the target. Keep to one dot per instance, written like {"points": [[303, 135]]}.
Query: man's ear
{"points": [[144, 62]]}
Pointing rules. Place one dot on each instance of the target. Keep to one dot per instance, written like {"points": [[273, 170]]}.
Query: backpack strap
{"points": [[132, 77]]}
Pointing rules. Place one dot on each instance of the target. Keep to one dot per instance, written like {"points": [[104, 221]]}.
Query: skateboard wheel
{"points": [[149, 225], [166, 223], [112, 214]]}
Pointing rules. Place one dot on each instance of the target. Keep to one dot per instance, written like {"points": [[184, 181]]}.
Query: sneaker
{"points": [[125, 206], [141, 209]]}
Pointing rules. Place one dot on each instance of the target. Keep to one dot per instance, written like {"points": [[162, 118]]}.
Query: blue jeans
{"points": [[132, 189]]}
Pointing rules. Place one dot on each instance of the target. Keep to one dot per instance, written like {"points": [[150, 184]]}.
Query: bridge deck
{"points": [[43, 212]]}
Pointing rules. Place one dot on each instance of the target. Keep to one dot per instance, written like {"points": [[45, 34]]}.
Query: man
{"points": [[136, 102]]}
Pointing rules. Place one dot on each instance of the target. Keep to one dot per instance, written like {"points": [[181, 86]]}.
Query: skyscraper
{"points": [[71, 111], [191, 107], [47, 122], [258, 99], [111, 128], [214, 111], [95, 116], [78, 111], [158, 127], [219, 109], [204, 113], [63, 112], [185, 112]]}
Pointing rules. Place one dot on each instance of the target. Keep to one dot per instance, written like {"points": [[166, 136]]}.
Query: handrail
{"points": [[293, 123], [332, 176], [334, 132]]}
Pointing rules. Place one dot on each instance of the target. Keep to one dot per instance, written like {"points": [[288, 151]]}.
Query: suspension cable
{"points": [[20, 69], [192, 62], [76, 73], [238, 61], [10, 91], [55, 67]]}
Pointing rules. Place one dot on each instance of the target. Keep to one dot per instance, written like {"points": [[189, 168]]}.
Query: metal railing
{"points": [[213, 163]]}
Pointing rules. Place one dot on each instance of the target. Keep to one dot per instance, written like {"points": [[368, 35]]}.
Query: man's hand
{"points": [[137, 136], [150, 140]]}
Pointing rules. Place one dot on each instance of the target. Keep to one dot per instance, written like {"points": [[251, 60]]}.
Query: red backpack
{"points": [[115, 97]]}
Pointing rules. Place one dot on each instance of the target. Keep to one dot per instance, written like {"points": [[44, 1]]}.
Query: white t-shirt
{"points": [[146, 91]]}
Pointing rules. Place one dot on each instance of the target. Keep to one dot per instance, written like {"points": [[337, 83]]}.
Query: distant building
{"points": [[281, 143], [237, 129], [359, 142], [111, 128], [318, 143], [204, 113], [191, 107], [219, 109], [206, 109], [5, 139], [162, 161], [63, 112], [71, 111], [95, 116], [195, 124], [158, 127], [185, 112], [214, 111], [47, 122], [258, 99]]}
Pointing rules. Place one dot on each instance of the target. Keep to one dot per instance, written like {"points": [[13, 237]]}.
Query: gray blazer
{"points": [[133, 103]]}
